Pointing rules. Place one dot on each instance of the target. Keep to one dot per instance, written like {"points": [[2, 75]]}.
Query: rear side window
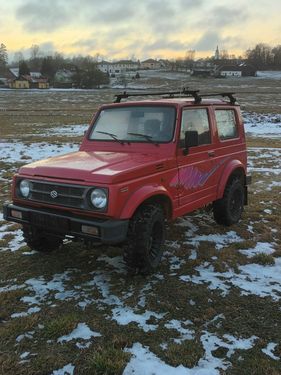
{"points": [[226, 124], [196, 119]]}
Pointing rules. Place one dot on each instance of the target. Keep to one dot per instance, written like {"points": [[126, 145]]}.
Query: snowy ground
{"points": [[262, 125]]}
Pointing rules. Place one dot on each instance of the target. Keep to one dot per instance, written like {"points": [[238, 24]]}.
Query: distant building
{"points": [[64, 78], [18, 83], [14, 72], [229, 71], [118, 66], [203, 68], [6, 77], [34, 80], [248, 70], [150, 64]]}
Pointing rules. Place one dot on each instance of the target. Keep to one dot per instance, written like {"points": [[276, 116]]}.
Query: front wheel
{"points": [[229, 208], [146, 236], [39, 240]]}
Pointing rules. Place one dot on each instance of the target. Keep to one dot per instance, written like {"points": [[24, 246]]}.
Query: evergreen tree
{"points": [[23, 68], [48, 68]]}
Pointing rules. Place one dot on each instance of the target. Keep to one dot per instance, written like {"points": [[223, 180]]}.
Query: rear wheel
{"points": [[39, 240], [228, 210], [146, 236]]}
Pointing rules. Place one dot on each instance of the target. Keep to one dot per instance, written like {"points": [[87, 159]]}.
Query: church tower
{"points": [[217, 54]]}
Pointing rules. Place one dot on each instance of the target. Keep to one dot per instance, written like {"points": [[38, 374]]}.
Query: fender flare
{"points": [[229, 168], [140, 195]]}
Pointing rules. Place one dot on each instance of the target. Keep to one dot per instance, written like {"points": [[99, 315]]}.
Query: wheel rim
{"points": [[155, 240], [236, 204]]}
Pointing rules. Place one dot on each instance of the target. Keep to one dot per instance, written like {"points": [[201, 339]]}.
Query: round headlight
{"points": [[99, 198], [25, 188]]}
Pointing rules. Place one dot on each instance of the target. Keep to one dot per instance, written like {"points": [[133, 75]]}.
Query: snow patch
{"points": [[82, 331], [66, 370], [269, 349], [260, 248], [260, 280], [220, 240]]}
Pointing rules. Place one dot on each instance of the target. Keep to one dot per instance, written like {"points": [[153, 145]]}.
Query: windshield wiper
{"points": [[145, 136], [112, 136]]}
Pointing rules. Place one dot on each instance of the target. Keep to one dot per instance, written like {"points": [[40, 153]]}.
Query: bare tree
{"points": [[3, 58]]}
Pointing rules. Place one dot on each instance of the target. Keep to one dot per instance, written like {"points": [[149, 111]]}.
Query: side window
{"points": [[196, 119], [226, 124]]}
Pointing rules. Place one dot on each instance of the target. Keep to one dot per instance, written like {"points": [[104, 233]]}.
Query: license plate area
{"points": [[58, 224]]}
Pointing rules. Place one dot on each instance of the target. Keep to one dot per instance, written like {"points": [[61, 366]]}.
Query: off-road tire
{"points": [[39, 240], [146, 235], [229, 208]]}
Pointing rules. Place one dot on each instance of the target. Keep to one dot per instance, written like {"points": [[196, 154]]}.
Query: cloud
{"points": [[164, 44], [208, 41], [222, 16], [42, 16]]}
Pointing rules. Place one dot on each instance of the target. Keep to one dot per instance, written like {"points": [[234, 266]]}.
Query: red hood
{"points": [[98, 166]]}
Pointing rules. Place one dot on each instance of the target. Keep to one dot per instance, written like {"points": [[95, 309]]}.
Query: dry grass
{"points": [[162, 293]]}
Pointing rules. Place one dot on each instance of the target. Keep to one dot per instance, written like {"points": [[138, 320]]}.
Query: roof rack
{"points": [[230, 96], [173, 94]]}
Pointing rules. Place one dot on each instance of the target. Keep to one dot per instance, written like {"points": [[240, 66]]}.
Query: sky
{"points": [[140, 29]]}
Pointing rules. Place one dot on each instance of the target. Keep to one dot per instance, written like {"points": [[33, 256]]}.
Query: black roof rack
{"points": [[230, 96], [173, 94]]}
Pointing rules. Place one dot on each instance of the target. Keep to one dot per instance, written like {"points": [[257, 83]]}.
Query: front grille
{"points": [[58, 194]]}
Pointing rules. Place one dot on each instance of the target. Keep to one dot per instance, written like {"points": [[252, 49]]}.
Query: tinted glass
{"points": [[196, 119], [135, 124], [226, 123]]}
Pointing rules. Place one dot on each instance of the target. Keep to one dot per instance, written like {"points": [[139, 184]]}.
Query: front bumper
{"points": [[109, 231]]}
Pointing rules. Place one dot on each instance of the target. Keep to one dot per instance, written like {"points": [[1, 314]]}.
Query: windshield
{"points": [[135, 124]]}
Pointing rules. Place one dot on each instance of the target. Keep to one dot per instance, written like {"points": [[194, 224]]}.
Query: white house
{"points": [[118, 66], [229, 71]]}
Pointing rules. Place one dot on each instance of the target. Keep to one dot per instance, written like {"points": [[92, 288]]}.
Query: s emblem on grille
{"points": [[54, 194]]}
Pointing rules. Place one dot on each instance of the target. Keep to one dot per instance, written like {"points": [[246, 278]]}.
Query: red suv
{"points": [[140, 164]]}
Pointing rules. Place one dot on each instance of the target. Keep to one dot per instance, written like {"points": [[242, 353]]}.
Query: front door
{"points": [[197, 177]]}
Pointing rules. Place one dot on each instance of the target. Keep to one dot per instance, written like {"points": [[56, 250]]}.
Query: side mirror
{"points": [[191, 139]]}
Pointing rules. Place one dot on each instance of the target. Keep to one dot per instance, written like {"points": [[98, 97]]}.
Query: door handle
{"points": [[211, 153]]}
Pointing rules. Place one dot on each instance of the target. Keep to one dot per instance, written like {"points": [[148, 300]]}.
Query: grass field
{"points": [[214, 305]]}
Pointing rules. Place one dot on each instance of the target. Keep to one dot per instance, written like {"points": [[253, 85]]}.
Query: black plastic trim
{"points": [[111, 231]]}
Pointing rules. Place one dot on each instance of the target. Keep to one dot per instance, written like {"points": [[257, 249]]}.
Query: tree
{"points": [[3, 58], [18, 56], [261, 56], [48, 68], [23, 68], [87, 73], [189, 58], [276, 51], [34, 61]]}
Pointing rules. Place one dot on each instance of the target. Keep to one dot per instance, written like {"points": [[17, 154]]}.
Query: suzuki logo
{"points": [[54, 194]]}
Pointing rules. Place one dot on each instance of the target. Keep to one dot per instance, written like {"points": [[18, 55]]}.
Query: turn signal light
{"points": [[90, 230], [16, 214]]}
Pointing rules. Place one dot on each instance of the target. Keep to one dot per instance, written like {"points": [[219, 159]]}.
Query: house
{"points": [[14, 72], [248, 70], [64, 78], [6, 77], [118, 66], [28, 82], [36, 80], [228, 71], [18, 83], [150, 64], [203, 68]]}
